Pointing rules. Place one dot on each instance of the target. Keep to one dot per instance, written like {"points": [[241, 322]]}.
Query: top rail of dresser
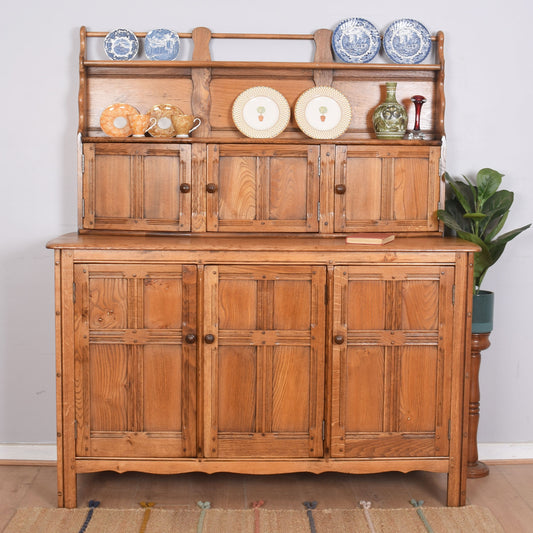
{"points": [[201, 55]]}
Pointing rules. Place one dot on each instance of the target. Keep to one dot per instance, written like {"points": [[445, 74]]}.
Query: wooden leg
{"points": [[69, 490], [475, 468]]}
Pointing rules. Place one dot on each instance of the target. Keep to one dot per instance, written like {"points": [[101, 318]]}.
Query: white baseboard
{"points": [[28, 452], [493, 451], [47, 452]]}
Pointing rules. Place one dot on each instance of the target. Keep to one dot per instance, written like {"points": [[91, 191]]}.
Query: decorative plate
{"points": [[114, 120], [356, 40], [161, 45], [261, 112], [407, 41], [323, 113], [121, 45], [162, 113]]}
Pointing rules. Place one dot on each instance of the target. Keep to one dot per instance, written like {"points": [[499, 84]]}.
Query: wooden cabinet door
{"points": [[264, 361], [137, 187], [386, 188], [135, 360], [392, 336], [262, 188]]}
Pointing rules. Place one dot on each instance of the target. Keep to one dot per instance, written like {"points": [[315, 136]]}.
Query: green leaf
{"points": [[488, 181], [475, 216], [461, 192], [493, 229], [454, 214], [496, 207], [506, 237], [450, 221]]}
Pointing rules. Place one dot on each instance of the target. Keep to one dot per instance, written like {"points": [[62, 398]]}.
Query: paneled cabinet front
{"points": [[137, 187], [135, 360], [262, 188], [392, 188], [264, 361], [392, 336]]}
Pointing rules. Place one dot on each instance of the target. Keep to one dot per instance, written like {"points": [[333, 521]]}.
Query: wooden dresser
{"points": [[210, 315]]}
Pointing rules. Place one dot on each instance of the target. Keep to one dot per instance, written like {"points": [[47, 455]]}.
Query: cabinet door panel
{"points": [[417, 403], [262, 188], [108, 376], [391, 374], [386, 188], [135, 375], [365, 403], [237, 375], [265, 370], [137, 187]]}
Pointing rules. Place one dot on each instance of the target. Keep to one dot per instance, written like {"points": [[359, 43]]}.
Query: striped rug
{"points": [[202, 518]]}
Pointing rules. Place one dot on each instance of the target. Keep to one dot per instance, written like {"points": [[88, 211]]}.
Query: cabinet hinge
{"points": [[439, 205], [83, 163], [318, 211], [83, 208], [74, 292], [319, 166], [75, 429], [453, 295], [323, 430], [449, 428]]}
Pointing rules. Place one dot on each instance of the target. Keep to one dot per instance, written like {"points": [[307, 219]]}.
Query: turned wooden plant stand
{"points": [[475, 468]]}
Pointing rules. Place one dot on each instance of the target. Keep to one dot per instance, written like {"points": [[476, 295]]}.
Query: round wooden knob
{"points": [[190, 338], [209, 339], [211, 187], [340, 188], [185, 187], [339, 339]]}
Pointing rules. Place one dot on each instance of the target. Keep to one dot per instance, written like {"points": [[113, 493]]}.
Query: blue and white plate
{"points": [[407, 41], [356, 40], [121, 45], [161, 45]]}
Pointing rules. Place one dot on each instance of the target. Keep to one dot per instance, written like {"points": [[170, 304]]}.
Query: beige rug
{"points": [[470, 519]]}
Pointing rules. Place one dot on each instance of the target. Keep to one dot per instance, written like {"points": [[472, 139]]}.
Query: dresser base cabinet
{"points": [[261, 356]]}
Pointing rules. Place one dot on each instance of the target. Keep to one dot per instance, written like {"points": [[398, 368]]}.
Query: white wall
{"points": [[488, 85]]}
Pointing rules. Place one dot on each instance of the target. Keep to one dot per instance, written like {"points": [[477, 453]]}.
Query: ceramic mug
{"points": [[185, 124], [140, 124]]}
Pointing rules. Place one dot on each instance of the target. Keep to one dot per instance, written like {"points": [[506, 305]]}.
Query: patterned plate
{"points": [[323, 113], [161, 45], [356, 40], [407, 41], [121, 45], [261, 112], [163, 126], [114, 120]]}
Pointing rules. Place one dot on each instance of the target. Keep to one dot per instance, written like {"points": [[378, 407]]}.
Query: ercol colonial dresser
{"points": [[210, 315]]}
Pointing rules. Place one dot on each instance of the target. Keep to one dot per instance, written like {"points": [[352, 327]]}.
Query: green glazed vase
{"points": [[390, 117]]}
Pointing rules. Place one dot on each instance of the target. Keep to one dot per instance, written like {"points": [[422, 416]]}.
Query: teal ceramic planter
{"points": [[482, 312]]}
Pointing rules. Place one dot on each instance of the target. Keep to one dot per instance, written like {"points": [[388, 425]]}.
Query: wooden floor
{"points": [[507, 491]]}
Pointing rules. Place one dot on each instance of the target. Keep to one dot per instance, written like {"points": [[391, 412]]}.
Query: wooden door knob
{"points": [[340, 188], [190, 338], [185, 187], [339, 339], [211, 188], [209, 339]]}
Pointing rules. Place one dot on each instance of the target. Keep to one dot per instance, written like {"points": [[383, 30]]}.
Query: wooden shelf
{"points": [[259, 65]]}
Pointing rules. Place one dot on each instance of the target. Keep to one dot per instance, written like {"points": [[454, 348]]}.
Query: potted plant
{"points": [[476, 211]]}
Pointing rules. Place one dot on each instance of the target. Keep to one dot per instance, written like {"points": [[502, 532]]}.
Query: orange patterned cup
{"points": [[140, 124], [185, 124]]}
